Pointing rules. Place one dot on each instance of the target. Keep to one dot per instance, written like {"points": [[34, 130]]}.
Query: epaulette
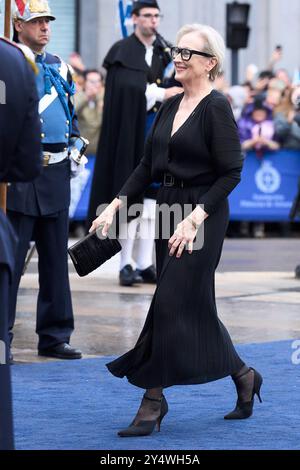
{"points": [[72, 71], [69, 67], [8, 41], [58, 57], [30, 57], [20, 48]]}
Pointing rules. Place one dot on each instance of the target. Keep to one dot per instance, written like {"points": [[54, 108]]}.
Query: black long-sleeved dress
{"points": [[183, 341]]}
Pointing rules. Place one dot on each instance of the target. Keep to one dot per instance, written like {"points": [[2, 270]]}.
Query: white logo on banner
{"points": [[267, 178]]}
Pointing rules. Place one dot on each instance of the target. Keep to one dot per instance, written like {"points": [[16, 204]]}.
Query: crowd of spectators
{"points": [[266, 106], [88, 100]]}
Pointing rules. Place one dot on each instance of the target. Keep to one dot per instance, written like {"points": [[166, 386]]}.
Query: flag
{"points": [[21, 4], [125, 17]]}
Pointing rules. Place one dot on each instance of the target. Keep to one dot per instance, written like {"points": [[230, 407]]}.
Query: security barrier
{"points": [[265, 193]]}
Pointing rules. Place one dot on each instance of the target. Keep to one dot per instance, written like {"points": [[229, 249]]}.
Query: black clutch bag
{"points": [[92, 251]]}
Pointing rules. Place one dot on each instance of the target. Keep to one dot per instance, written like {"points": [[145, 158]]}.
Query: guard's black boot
{"points": [[61, 351]]}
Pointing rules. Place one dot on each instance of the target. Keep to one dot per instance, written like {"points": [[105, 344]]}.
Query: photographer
{"points": [[89, 107], [287, 120]]}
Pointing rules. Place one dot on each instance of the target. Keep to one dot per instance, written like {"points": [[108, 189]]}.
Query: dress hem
{"points": [[194, 381]]}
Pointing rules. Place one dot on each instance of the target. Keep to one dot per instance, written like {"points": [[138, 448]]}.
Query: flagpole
{"points": [[7, 18], [3, 186]]}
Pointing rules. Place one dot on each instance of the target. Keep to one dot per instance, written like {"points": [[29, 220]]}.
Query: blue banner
{"points": [[265, 193], [268, 187]]}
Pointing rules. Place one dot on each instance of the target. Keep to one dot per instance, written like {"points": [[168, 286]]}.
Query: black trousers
{"points": [[6, 420], [55, 321]]}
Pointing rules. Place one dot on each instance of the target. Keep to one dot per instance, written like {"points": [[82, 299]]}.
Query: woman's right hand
{"points": [[106, 217]]}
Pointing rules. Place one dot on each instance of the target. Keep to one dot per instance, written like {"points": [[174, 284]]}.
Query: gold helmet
{"points": [[32, 9]]}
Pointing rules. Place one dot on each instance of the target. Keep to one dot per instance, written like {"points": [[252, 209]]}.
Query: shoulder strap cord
{"points": [[53, 77]]}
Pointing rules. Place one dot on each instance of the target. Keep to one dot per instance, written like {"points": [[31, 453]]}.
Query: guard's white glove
{"points": [[77, 164]]}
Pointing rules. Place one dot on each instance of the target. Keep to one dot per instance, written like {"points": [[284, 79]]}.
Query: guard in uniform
{"points": [[38, 211], [133, 93], [20, 160]]}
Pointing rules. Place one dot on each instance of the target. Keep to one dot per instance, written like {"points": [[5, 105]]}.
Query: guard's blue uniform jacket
{"points": [[50, 192], [20, 160], [54, 90], [39, 210]]}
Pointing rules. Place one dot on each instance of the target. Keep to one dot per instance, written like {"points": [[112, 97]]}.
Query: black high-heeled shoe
{"points": [[243, 409], [145, 428]]}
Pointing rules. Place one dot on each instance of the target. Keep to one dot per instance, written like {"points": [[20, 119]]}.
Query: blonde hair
{"points": [[213, 44]]}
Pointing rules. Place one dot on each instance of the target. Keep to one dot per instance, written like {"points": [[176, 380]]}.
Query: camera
{"points": [[297, 104]]}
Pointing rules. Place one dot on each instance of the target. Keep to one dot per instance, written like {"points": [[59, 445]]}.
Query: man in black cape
{"points": [[134, 91]]}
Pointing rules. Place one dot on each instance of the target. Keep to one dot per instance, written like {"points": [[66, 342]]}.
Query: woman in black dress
{"points": [[194, 151]]}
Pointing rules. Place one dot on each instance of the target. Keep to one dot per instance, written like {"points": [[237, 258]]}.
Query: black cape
{"points": [[122, 137]]}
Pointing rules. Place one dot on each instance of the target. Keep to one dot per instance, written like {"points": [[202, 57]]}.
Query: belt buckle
{"points": [[46, 160], [169, 180]]}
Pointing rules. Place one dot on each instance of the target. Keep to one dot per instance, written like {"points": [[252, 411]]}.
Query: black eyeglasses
{"points": [[150, 16], [186, 54]]}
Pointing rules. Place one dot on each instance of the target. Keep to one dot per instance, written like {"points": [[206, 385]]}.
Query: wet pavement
{"points": [[258, 299]]}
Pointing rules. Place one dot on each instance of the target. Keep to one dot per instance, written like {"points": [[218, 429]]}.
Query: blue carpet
{"points": [[79, 405]]}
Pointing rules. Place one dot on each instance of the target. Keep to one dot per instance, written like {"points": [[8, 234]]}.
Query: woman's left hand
{"points": [[186, 232]]}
